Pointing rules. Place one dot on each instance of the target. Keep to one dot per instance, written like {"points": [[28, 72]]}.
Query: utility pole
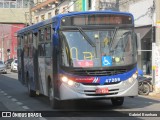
{"points": [[117, 5], [2, 46], [156, 50], [30, 13], [153, 43]]}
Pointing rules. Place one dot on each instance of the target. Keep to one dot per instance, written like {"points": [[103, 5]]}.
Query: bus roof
{"points": [[59, 16]]}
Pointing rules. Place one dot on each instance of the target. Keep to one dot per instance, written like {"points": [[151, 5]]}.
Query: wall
{"points": [[13, 15], [10, 41], [141, 11]]}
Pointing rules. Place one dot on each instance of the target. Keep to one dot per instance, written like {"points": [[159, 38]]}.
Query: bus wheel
{"points": [[117, 101], [53, 102], [31, 93]]}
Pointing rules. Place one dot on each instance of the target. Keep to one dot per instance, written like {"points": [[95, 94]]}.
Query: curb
{"points": [[153, 94]]}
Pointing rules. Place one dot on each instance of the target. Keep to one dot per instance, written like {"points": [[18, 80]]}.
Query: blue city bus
{"points": [[80, 55]]}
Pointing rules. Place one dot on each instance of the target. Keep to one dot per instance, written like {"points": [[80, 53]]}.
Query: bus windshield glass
{"points": [[98, 48]]}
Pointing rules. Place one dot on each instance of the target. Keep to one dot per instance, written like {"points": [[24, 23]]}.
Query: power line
{"points": [[70, 6]]}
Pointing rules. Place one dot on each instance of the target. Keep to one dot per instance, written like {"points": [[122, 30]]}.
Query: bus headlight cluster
{"points": [[134, 76], [69, 82], [130, 80]]}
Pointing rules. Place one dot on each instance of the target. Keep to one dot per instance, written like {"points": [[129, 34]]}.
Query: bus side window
{"points": [[26, 49], [48, 34], [30, 40], [41, 34], [48, 49], [41, 50]]}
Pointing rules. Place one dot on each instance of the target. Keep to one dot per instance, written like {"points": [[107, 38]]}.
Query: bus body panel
{"points": [[42, 75], [35, 63], [48, 71], [41, 70], [86, 88]]}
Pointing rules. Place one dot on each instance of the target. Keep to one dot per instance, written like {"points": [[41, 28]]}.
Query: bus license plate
{"points": [[102, 91]]}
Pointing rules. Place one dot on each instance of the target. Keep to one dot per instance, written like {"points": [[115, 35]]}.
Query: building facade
{"points": [[144, 22], [14, 14], [45, 9]]}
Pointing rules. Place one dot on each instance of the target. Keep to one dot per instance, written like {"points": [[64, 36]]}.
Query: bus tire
{"points": [[53, 102], [31, 92], [117, 101]]}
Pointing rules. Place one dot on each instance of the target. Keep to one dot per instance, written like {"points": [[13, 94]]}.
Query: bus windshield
{"points": [[98, 48]]}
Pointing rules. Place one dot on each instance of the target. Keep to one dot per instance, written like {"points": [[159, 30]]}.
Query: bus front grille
{"points": [[95, 84], [102, 94], [100, 72]]}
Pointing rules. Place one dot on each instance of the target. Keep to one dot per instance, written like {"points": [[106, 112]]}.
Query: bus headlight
{"points": [[64, 79], [134, 76], [69, 82], [130, 80]]}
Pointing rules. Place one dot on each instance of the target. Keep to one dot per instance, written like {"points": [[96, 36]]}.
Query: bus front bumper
{"points": [[122, 89]]}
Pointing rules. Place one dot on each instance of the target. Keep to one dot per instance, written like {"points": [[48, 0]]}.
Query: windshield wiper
{"points": [[86, 37], [113, 37], [114, 34]]}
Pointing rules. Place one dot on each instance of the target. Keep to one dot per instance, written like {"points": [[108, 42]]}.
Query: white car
{"points": [[3, 68], [14, 65]]}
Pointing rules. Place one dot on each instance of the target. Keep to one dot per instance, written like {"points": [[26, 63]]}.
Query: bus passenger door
{"points": [[48, 63], [41, 68], [35, 62], [48, 58]]}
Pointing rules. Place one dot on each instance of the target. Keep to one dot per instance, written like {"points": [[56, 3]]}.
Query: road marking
{"points": [[9, 96], [13, 99], [42, 118], [2, 91], [25, 107], [19, 103]]}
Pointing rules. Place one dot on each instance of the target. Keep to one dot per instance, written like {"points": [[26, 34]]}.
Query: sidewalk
{"points": [[155, 95]]}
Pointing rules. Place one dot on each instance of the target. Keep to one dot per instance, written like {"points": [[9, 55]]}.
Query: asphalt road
{"points": [[14, 97]]}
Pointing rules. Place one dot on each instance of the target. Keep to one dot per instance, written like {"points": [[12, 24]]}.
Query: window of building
{"points": [[37, 19], [42, 17], [89, 4], [41, 49], [49, 15]]}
